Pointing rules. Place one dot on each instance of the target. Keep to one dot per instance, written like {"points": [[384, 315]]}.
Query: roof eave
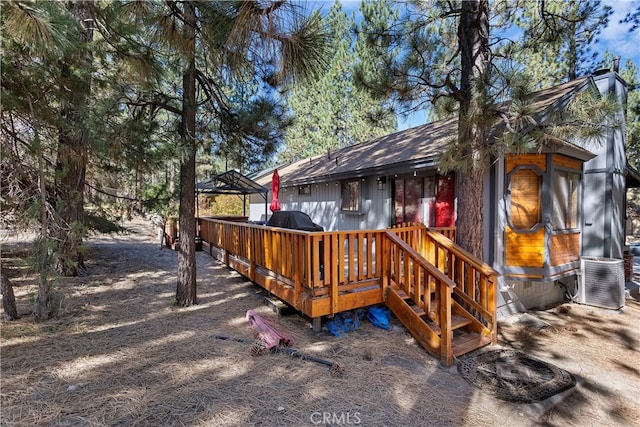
{"points": [[568, 149], [390, 169]]}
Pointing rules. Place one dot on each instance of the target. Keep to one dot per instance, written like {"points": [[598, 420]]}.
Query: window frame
{"points": [[349, 207], [304, 190], [570, 220], [541, 175]]}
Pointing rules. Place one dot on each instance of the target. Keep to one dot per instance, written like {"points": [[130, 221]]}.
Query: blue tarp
{"points": [[380, 316], [350, 321]]}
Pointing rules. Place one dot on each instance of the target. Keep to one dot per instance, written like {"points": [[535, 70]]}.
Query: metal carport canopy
{"points": [[231, 182]]}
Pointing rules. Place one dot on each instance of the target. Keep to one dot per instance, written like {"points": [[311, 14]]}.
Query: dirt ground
{"points": [[121, 354]]}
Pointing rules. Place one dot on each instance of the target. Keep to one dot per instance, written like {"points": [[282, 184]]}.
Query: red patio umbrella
{"points": [[275, 188]]}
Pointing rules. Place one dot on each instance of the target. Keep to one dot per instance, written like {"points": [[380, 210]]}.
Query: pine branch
{"points": [[155, 103]]}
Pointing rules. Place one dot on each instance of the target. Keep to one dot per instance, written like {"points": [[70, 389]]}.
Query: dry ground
{"points": [[121, 354]]}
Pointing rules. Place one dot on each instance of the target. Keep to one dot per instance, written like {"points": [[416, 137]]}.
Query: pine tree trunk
{"points": [[71, 162], [186, 287], [41, 253], [474, 49], [138, 191], [42, 306], [469, 230], [8, 298], [572, 54]]}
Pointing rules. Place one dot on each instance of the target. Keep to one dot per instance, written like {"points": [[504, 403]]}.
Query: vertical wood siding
{"points": [[539, 160], [565, 248], [524, 250]]}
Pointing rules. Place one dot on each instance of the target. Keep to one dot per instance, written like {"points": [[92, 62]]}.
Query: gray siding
{"points": [[604, 183], [618, 216], [517, 296], [603, 197], [324, 201], [595, 219], [257, 207]]}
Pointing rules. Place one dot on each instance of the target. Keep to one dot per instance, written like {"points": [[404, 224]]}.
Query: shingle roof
{"points": [[400, 150]]}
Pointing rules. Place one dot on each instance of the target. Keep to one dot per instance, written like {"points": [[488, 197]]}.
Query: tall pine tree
{"points": [[332, 112], [557, 43], [449, 60], [216, 43]]}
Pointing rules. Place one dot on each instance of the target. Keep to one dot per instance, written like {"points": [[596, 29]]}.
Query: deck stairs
{"points": [[445, 332], [425, 328]]}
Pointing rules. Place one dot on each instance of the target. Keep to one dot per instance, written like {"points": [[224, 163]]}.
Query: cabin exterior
{"points": [[386, 181], [543, 210], [558, 206]]}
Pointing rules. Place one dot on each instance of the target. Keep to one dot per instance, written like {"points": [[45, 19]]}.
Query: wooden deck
{"points": [[443, 296]]}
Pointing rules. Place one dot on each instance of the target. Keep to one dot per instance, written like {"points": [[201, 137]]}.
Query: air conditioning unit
{"points": [[602, 282]]}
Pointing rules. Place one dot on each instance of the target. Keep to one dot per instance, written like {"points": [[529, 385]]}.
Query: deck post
{"points": [[446, 334], [492, 307], [316, 324], [382, 263], [252, 254], [298, 253]]}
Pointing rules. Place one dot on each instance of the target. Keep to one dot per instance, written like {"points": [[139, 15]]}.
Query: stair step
{"points": [[418, 310], [401, 294], [457, 322], [468, 342]]}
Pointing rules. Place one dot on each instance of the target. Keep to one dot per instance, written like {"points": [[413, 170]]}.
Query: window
{"points": [[408, 200], [304, 190], [524, 208], [351, 196], [565, 200]]}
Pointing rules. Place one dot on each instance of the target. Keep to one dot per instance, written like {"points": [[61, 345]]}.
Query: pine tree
{"points": [[558, 39], [450, 63], [71, 159], [34, 36], [633, 18], [631, 75], [332, 112], [217, 44]]}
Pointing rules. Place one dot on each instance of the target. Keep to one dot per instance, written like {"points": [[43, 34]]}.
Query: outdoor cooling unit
{"points": [[602, 282]]}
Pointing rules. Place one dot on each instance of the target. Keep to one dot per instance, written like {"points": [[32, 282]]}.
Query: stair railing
{"points": [[476, 282], [418, 279]]}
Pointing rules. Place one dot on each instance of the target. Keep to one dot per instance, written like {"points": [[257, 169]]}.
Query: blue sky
{"points": [[616, 38]]}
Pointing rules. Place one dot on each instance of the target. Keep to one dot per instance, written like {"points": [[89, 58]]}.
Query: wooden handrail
{"points": [[476, 281], [312, 264], [414, 275], [471, 302], [448, 232], [323, 273], [416, 257], [461, 253]]}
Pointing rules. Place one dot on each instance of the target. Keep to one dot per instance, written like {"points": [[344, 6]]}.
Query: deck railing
{"points": [[428, 289], [324, 273], [318, 273], [476, 282]]}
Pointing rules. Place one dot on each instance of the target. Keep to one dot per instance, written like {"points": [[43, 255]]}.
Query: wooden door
{"points": [[445, 201]]}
